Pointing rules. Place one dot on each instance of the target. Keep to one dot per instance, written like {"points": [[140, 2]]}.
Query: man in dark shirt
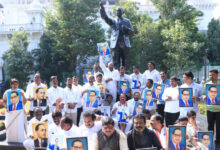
{"points": [[140, 136]]}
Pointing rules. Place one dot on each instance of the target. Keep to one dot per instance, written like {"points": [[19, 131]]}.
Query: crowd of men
{"points": [[149, 129]]}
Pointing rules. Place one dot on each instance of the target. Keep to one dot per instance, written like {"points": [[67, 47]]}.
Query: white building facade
{"points": [[27, 15]]}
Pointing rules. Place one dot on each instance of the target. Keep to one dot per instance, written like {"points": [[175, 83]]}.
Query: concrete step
{"points": [[11, 146]]}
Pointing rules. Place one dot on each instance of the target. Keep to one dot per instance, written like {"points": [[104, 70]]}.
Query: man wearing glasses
{"points": [[176, 144], [184, 101], [212, 96]]}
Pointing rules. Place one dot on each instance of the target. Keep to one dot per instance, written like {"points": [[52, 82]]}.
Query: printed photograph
{"points": [[40, 134], [14, 100], [206, 140], [105, 111], [177, 137], [185, 96], [92, 99], [213, 94], [40, 96], [78, 143], [124, 87], [104, 49], [138, 109], [86, 75], [136, 83], [123, 113], [56, 142], [158, 91], [148, 100]]}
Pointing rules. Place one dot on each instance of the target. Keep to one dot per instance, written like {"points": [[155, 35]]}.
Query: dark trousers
{"points": [[160, 109], [171, 118], [79, 111], [214, 118], [120, 57]]}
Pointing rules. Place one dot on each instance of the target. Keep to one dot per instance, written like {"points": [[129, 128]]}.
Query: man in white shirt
{"points": [[151, 73], [102, 86], [90, 126], [54, 127], [71, 101], [30, 92], [111, 77], [38, 118], [125, 77], [160, 130], [137, 80], [172, 110], [86, 88], [56, 96], [197, 92], [78, 90]]}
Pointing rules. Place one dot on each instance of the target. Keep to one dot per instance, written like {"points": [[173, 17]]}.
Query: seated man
{"points": [[38, 113], [55, 126], [160, 130], [142, 137], [90, 126], [109, 138]]}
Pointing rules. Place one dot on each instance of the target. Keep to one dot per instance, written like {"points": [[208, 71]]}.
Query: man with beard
{"points": [[140, 136]]}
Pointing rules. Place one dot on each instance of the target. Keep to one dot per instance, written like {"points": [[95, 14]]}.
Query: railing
{"points": [[9, 28]]}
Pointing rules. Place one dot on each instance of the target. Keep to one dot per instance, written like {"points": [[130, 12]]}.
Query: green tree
{"points": [[180, 48], [213, 36], [48, 62], [74, 28], [18, 61]]}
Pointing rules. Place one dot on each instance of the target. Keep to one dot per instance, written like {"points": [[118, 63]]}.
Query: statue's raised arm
{"points": [[104, 15]]}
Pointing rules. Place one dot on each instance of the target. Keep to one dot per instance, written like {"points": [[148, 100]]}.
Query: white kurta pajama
{"points": [[111, 85]]}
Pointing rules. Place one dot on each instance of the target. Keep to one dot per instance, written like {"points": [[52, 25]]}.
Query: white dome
{"points": [[35, 6]]}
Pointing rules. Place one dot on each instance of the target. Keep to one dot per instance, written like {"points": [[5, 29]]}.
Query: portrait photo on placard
{"points": [[104, 49], [212, 94], [78, 143], [124, 87], [122, 114], [40, 134], [40, 96], [56, 142], [148, 99], [86, 74], [177, 137], [105, 111], [101, 87], [158, 91], [92, 100], [185, 97], [138, 109], [206, 140], [14, 100], [136, 82]]}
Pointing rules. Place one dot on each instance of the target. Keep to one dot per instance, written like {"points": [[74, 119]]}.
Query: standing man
{"points": [[213, 111], [197, 92], [142, 137], [121, 29], [151, 73], [30, 93], [137, 80], [78, 90], [125, 77], [172, 110], [56, 96], [71, 101], [111, 77], [166, 82]]}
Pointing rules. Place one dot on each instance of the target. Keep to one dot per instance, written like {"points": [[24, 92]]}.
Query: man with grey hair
{"points": [[110, 138], [111, 76]]}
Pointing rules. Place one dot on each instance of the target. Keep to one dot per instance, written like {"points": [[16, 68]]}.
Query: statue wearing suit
{"points": [[120, 43]]}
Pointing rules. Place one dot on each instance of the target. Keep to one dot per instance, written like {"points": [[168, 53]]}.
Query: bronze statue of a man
{"points": [[119, 43]]}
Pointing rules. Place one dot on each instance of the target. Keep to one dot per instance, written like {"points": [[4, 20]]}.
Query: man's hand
{"points": [[196, 98], [71, 105], [30, 99], [169, 98], [154, 100], [110, 79], [113, 112]]}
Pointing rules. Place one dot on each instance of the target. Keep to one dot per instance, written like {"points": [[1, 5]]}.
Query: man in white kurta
{"points": [[111, 77], [15, 120], [71, 101], [30, 92], [56, 96]]}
